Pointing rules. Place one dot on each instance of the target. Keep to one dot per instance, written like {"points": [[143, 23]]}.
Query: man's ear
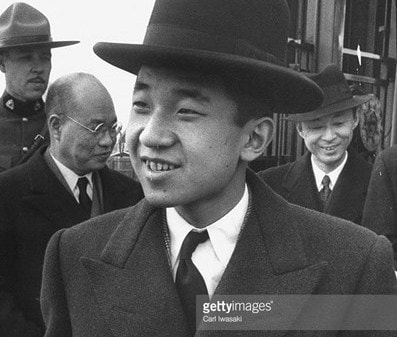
{"points": [[298, 126], [260, 134], [54, 126], [356, 119]]}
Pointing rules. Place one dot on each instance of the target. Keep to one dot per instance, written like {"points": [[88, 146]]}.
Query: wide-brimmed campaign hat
{"points": [[245, 40], [338, 96], [21, 25]]}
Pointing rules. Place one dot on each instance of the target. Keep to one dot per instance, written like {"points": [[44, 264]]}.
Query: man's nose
{"points": [[329, 133], [157, 132]]}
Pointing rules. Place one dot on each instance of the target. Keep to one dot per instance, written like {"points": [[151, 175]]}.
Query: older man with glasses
{"points": [[60, 186]]}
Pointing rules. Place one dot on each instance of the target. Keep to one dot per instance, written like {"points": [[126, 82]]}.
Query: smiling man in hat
{"points": [[207, 81], [328, 178], [25, 60]]}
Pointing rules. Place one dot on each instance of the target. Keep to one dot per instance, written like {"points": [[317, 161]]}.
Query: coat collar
{"points": [[18, 107], [133, 280], [44, 185], [300, 185], [348, 196]]}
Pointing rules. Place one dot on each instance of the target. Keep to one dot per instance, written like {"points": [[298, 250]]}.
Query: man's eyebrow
{"points": [[192, 93], [140, 86]]}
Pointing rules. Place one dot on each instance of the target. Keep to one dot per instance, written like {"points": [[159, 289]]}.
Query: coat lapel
{"points": [[269, 258], [115, 191], [44, 186], [300, 184], [348, 197], [133, 282]]}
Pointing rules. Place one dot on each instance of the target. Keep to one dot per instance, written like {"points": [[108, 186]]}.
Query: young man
{"points": [[327, 132], [25, 60], [58, 187], [206, 83]]}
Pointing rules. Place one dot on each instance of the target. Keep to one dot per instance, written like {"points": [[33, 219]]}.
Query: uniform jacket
{"points": [[111, 277], [380, 211], [19, 125], [34, 205], [296, 183]]}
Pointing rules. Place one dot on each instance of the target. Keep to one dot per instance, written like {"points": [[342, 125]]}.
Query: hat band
{"points": [[24, 40], [171, 36]]}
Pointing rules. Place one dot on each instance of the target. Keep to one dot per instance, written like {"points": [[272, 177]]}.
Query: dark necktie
{"points": [[325, 191], [189, 282], [84, 199]]}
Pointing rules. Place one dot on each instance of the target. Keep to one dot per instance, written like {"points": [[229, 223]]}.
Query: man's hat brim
{"points": [[350, 103], [285, 90], [50, 44]]}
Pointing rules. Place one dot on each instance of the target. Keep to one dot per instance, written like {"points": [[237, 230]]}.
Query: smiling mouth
{"points": [[329, 148], [156, 166]]}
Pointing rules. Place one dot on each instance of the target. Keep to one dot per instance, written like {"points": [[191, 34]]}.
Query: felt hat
{"points": [[338, 95], [246, 40], [21, 25]]}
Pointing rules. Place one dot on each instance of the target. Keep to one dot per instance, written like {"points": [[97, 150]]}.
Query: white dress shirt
{"points": [[212, 256], [333, 175], [71, 179]]}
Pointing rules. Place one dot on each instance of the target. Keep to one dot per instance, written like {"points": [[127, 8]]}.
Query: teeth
{"points": [[159, 166]]}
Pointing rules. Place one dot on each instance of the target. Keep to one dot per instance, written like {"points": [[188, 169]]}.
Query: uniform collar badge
{"points": [[10, 104]]}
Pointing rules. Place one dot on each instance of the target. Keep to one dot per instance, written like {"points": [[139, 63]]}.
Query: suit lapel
{"points": [[269, 258], [49, 196], [348, 197], [113, 191], [133, 282], [300, 184]]}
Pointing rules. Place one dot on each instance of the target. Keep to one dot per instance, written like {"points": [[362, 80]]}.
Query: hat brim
{"points": [[50, 44], [330, 109], [285, 90]]}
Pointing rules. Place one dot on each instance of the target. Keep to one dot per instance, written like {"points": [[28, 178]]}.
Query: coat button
{"points": [[25, 149]]}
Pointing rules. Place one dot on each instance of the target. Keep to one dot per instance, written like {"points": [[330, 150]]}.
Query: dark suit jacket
{"points": [[110, 276], [296, 183], [34, 205], [380, 211]]}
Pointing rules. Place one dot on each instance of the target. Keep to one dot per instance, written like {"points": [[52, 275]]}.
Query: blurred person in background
{"points": [[58, 187], [25, 60], [328, 178]]}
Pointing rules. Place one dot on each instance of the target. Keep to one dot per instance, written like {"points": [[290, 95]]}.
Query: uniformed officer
{"points": [[25, 59]]}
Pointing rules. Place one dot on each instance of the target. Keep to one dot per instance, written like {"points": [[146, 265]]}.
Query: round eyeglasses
{"points": [[101, 129]]}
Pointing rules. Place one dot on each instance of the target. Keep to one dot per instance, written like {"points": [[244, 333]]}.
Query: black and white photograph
{"points": [[198, 168]]}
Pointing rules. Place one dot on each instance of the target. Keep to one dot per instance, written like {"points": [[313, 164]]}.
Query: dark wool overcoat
{"points": [[380, 211], [296, 183], [111, 277], [34, 204]]}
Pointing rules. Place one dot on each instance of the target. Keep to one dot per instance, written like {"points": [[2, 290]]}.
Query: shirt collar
{"points": [[333, 175], [70, 176], [223, 233]]}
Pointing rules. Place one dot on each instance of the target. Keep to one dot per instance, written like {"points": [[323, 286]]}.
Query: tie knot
{"points": [[82, 183], [326, 180], [192, 240]]}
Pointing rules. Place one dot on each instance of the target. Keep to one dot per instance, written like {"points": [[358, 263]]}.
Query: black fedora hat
{"points": [[21, 25], [338, 95], [245, 39]]}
